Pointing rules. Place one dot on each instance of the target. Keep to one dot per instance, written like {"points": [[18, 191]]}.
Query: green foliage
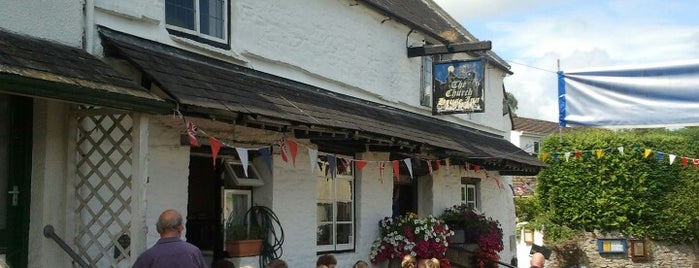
{"points": [[627, 192]]}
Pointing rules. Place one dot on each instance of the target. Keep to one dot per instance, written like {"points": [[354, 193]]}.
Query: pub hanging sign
{"points": [[458, 87]]}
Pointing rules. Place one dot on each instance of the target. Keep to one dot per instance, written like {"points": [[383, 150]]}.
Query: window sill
{"points": [[218, 50]]}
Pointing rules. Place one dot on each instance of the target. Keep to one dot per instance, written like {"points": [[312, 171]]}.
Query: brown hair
{"points": [[326, 259]]}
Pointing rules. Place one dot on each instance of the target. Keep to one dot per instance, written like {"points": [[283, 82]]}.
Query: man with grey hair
{"points": [[170, 250]]}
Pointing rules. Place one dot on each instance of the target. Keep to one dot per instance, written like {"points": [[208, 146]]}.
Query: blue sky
{"points": [[533, 34]]}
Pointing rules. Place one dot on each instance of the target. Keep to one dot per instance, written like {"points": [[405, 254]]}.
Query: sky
{"points": [[533, 35]]}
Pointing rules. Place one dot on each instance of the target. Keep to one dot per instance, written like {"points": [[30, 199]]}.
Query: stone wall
{"points": [[661, 255]]}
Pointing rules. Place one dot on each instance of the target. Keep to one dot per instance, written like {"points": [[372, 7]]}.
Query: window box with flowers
{"points": [[478, 229], [423, 238]]}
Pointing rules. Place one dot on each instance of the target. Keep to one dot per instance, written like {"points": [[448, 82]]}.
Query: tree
{"points": [[511, 103], [636, 192]]}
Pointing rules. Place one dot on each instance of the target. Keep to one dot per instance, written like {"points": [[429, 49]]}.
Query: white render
{"points": [[345, 48]]}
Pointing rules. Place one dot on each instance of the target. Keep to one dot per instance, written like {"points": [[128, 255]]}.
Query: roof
{"points": [[207, 85], [428, 17], [41, 68], [535, 126]]}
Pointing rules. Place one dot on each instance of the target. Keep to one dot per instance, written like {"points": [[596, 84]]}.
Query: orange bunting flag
{"points": [[396, 169], [599, 153], [577, 154], [646, 153], [544, 156], [360, 164], [684, 161], [215, 148], [192, 134]]}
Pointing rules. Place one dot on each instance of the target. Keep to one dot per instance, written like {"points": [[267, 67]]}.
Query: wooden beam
{"points": [[449, 49]]}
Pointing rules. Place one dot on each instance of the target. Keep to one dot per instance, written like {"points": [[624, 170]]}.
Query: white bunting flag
{"points": [[313, 156], [243, 155], [409, 165], [621, 150], [672, 158], [567, 155]]}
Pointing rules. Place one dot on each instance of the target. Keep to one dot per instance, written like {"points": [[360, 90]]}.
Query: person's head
{"points": [[170, 224], [360, 264], [538, 260], [277, 263], [327, 260], [432, 263], [408, 262]]}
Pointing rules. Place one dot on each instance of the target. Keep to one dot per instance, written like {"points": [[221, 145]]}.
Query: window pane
{"points": [[180, 13], [344, 233], [426, 84], [325, 212], [211, 20], [344, 211], [325, 234]]}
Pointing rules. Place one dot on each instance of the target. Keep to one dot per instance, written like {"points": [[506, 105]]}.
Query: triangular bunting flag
{"points": [[476, 168], [577, 154], [696, 162], [267, 156], [192, 134], [409, 164], [396, 169], [243, 154], [360, 164], [293, 149], [684, 161], [467, 166], [215, 148], [284, 150], [659, 155], [429, 167], [313, 157], [599, 153], [382, 168], [672, 158], [544, 156], [646, 153], [567, 156], [333, 165], [555, 157], [437, 164], [621, 150]]}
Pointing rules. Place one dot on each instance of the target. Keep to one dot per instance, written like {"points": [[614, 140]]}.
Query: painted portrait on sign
{"points": [[458, 87]]}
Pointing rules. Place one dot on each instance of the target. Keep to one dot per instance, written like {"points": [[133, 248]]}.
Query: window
{"points": [[335, 205], [536, 147], [235, 205], [234, 174], [426, 82], [207, 19], [470, 192]]}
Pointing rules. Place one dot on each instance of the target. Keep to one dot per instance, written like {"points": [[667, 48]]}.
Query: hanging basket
{"points": [[244, 248]]}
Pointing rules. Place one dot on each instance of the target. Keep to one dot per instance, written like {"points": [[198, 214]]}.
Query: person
{"points": [[537, 260], [327, 260], [170, 251], [223, 263], [277, 263], [360, 264], [408, 262], [432, 263]]}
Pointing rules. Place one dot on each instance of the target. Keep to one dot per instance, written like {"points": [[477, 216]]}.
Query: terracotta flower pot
{"points": [[244, 248]]}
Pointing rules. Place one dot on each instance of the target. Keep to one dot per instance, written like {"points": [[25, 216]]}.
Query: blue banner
{"points": [[658, 95]]}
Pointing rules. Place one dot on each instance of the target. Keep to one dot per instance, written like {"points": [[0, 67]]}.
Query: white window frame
{"points": [[228, 205], [197, 28], [472, 202], [426, 81], [253, 179], [347, 176]]}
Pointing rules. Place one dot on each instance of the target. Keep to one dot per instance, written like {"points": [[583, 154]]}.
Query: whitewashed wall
{"points": [[56, 20]]}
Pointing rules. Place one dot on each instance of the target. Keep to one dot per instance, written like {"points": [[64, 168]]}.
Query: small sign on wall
{"points": [[611, 245]]}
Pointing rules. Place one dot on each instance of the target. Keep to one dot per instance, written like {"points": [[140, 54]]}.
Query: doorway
{"points": [[15, 174], [204, 207]]}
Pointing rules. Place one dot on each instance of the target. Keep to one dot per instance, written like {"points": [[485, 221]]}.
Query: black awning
{"points": [[40, 68], [197, 81]]}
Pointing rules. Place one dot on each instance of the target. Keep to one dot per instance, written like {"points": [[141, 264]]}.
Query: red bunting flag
{"points": [[577, 154], [684, 161], [696, 162], [192, 134], [293, 148], [437, 164], [476, 168], [360, 164], [288, 149], [215, 148], [396, 169]]}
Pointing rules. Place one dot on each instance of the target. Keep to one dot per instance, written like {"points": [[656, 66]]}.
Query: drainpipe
{"points": [[89, 32]]}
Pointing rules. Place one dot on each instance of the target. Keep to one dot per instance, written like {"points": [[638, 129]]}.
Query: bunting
{"points": [[243, 155], [192, 134], [396, 169], [646, 153], [382, 167], [409, 165], [215, 148]]}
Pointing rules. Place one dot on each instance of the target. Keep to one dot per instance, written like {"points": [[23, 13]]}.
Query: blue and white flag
{"points": [[658, 95]]}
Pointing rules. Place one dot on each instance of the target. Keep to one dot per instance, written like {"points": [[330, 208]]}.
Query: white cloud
{"points": [[533, 35]]}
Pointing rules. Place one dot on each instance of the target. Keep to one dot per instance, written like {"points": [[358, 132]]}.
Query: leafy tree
{"points": [[601, 188]]}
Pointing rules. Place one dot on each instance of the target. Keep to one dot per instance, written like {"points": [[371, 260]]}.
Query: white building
{"points": [[95, 96]]}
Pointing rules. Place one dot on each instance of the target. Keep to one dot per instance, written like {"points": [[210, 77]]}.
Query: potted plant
{"points": [[423, 238], [243, 240], [476, 228]]}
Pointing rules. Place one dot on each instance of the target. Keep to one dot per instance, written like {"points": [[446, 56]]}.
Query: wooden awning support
{"points": [[449, 49]]}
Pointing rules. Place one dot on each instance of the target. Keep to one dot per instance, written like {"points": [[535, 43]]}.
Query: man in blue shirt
{"points": [[170, 251]]}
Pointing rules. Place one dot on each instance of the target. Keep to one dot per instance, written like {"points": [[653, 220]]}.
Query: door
{"points": [[15, 166]]}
